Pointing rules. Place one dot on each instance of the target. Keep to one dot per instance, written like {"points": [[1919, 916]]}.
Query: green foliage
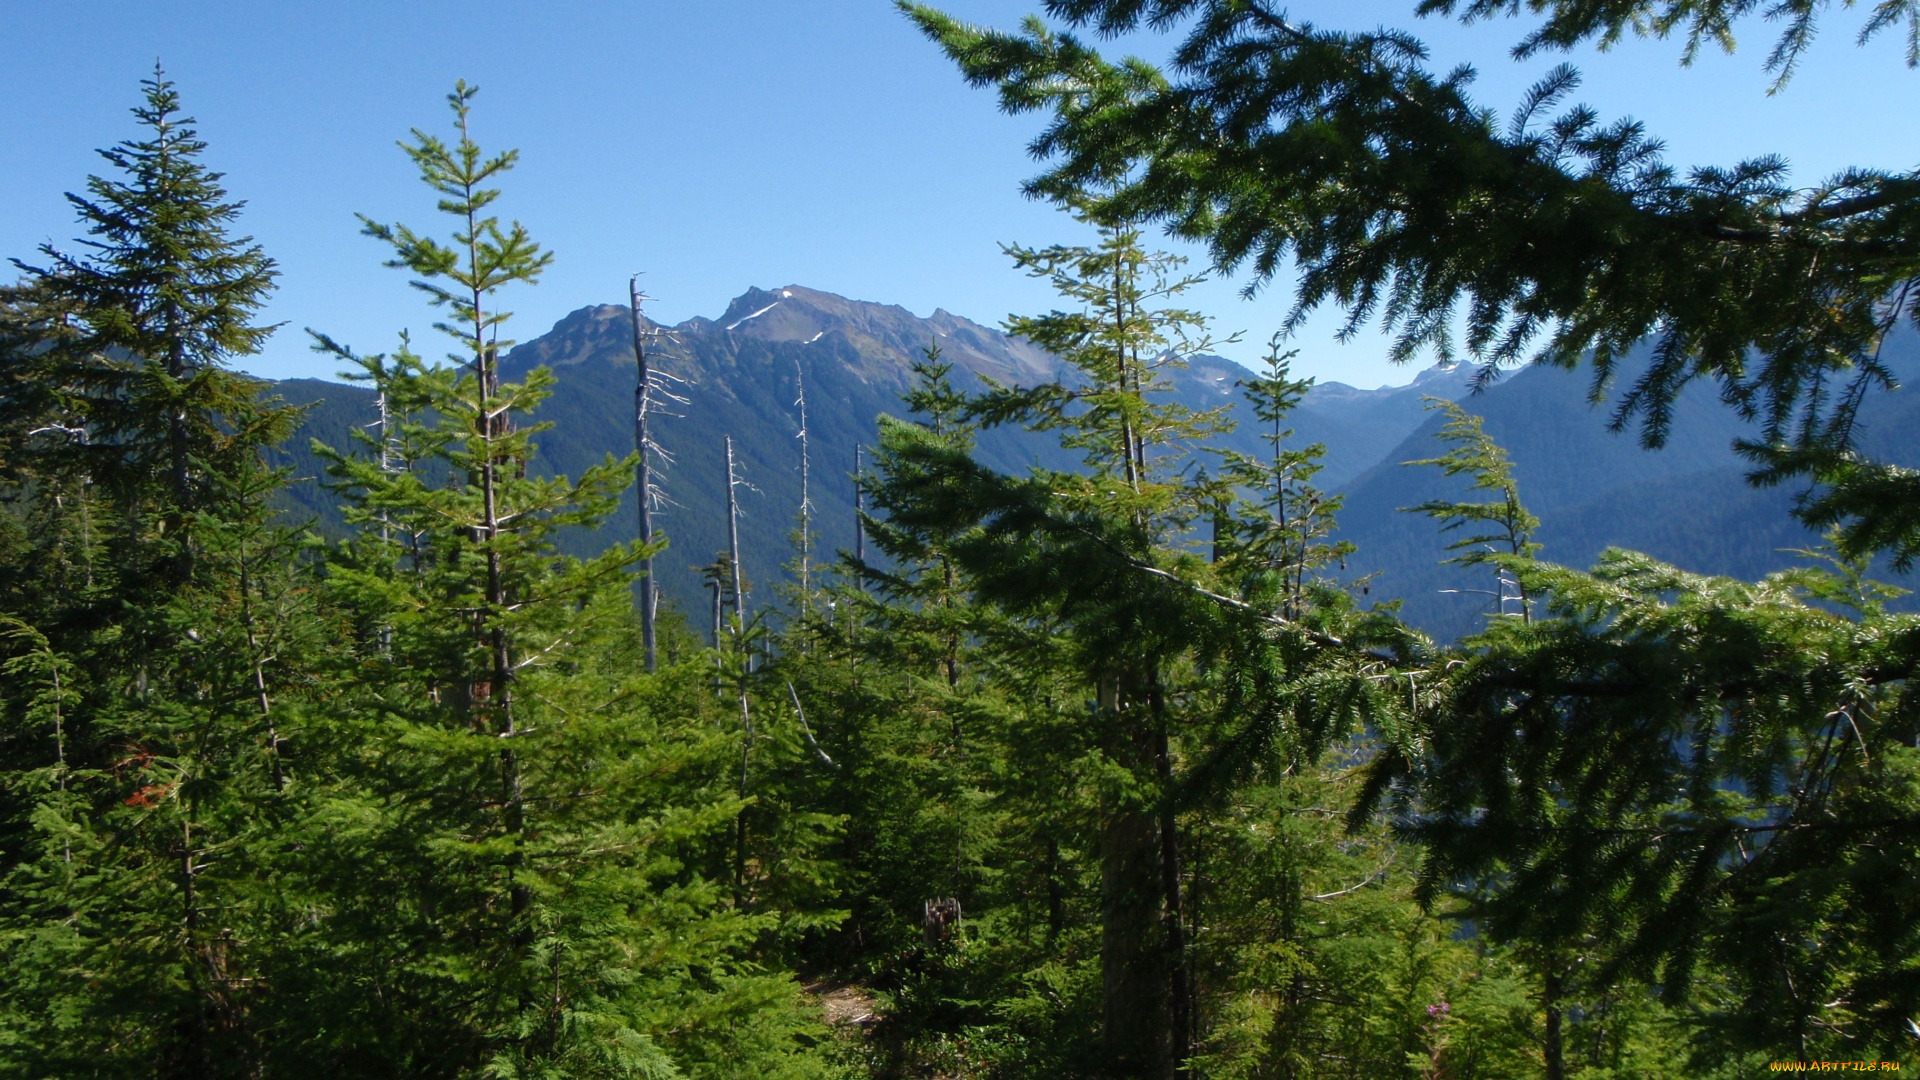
{"points": [[1506, 527], [165, 296], [1285, 525], [523, 823], [1045, 788], [156, 616], [1567, 25], [1475, 453], [1558, 238], [1679, 772]]}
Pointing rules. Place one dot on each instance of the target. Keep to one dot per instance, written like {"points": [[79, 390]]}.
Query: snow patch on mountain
{"points": [[755, 315]]}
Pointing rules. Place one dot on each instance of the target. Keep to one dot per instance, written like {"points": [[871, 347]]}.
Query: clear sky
{"points": [[731, 143]]}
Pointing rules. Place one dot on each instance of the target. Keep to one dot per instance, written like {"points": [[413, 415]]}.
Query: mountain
{"points": [[1361, 427], [742, 373], [1687, 503]]}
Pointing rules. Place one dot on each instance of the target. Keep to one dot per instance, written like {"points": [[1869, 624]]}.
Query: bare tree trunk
{"points": [[386, 467], [806, 499], [733, 543], [739, 638], [648, 593], [258, 661]]}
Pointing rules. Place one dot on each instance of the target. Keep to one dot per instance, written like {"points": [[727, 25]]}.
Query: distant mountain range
{"points": [[1686, 503]]}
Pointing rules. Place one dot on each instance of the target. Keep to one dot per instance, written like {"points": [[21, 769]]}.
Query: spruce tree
{"points": [[142, 932], [1557, 237], [523, 880], [1649, 778]]}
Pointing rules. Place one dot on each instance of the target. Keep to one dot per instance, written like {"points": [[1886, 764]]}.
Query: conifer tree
{"points": [[160, 281], [1401, 198], [517, 882], [903, 694], [141, 932], [1287, 534], [1656, 784], [1080, 552], [1505, 527]]}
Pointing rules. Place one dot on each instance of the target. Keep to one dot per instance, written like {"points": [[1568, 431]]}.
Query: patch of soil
{"points": [[845, 1003]]}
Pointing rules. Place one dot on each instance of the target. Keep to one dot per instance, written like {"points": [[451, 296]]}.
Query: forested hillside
{"points": [[343, 731], [742, 374], [1687, 503]]}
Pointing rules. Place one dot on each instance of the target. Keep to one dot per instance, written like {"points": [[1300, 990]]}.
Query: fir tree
{"points": [[162, 284], [142, 932], [1557, 238], [524, 814], [1287, 532], [1652, 786], [1504, 536]]}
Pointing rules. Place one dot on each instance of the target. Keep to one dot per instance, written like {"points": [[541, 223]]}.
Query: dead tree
{"points": [[642, 398], [654, 393], [739, 631], [859, 514], [733, 543], [806, 499]]}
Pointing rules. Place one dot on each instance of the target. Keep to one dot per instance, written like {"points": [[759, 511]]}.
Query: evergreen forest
{"points": [[1096, 764]]}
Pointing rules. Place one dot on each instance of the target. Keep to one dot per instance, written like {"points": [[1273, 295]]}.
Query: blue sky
{"points": [[733, 143]]}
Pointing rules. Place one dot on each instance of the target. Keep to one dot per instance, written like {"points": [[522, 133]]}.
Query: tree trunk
{"points": [[739, 639], [643, 467], [806, 498], [733, 545], [1553, 1046], [1135, 976], [859, 508], [1179, 988], [177, 453]]}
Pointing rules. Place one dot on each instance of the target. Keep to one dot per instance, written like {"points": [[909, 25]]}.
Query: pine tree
{"points": [[1287, 531], [524, 814], [140, 925], [1658, 782], [1557, 238]]}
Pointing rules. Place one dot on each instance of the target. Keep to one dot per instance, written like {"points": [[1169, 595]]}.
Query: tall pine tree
{"points": [[137, 918]]}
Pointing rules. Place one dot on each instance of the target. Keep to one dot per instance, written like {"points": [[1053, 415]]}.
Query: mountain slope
{"points": [[1687, 503], [741, 375]]}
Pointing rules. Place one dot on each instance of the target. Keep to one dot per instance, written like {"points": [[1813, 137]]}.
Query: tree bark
{"points": [[1179, 988], [1553, 1046], [649, 602], [1135, 976]]}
